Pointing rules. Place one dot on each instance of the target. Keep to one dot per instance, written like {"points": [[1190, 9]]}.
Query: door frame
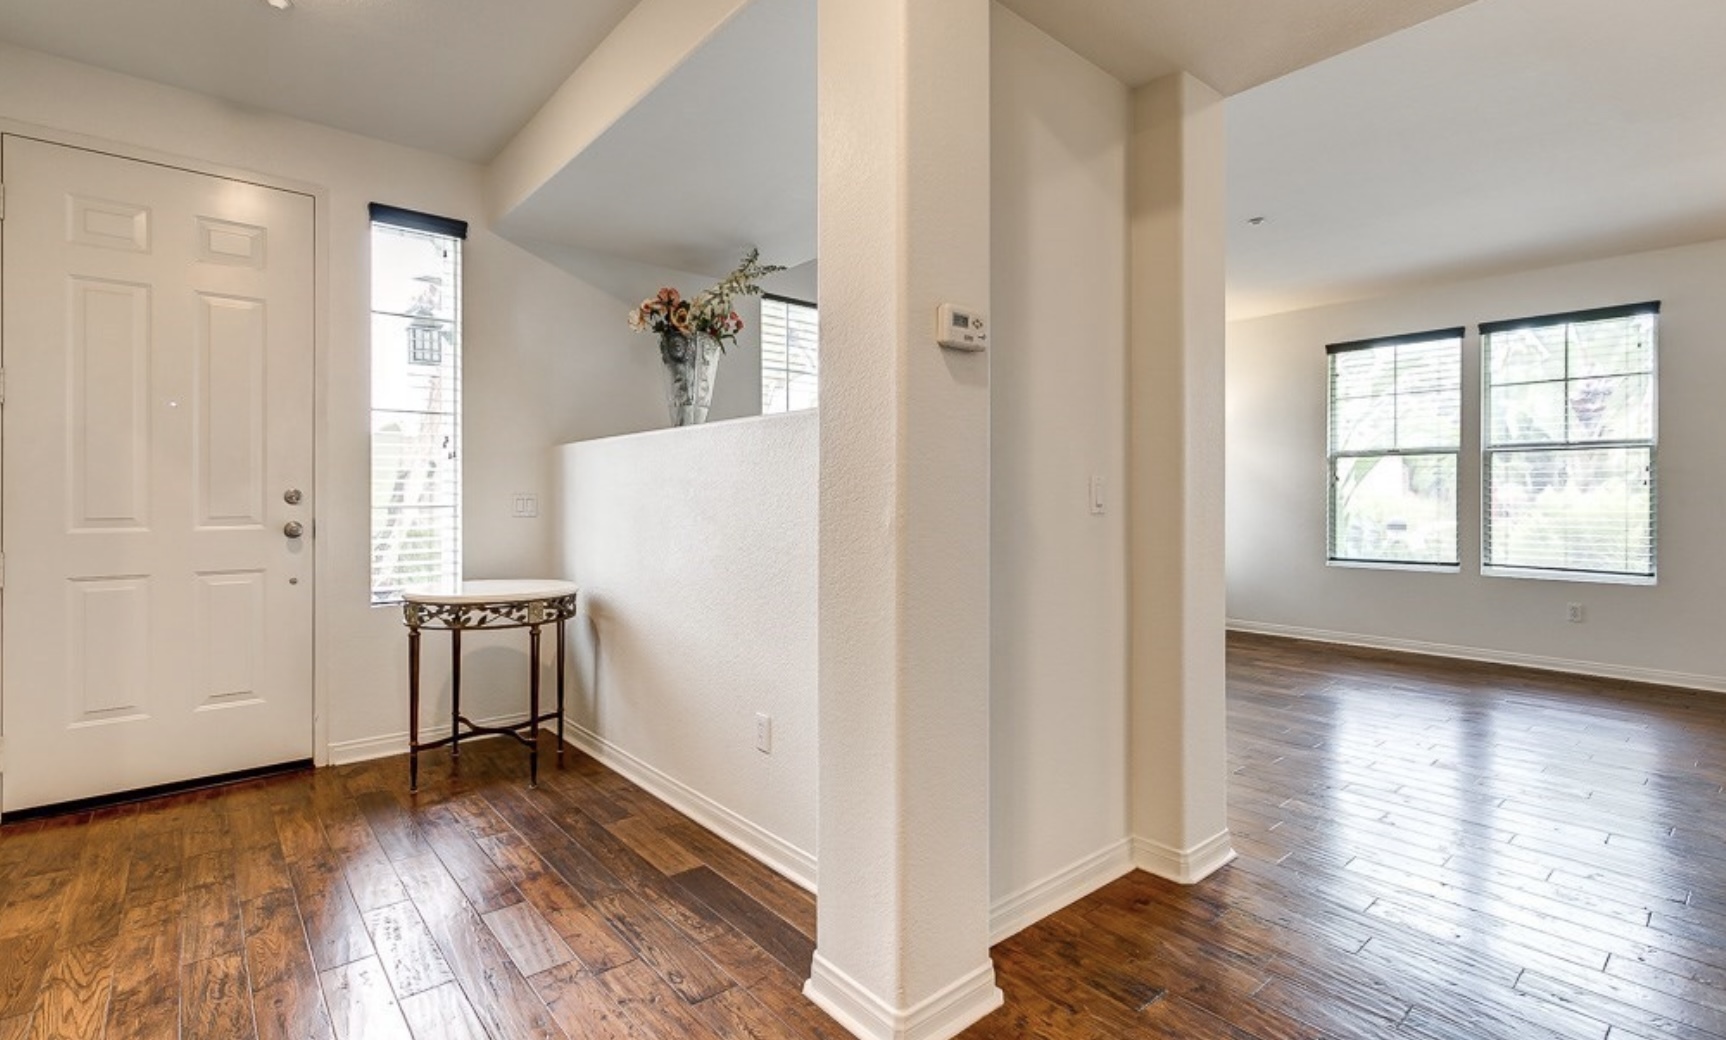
{"points": [[320, 373]]}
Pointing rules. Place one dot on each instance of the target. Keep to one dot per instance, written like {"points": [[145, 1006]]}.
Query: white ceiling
{"points": [[1229, 44], [719, 157], [1507, 134], [458, 77], [1489, 135]]}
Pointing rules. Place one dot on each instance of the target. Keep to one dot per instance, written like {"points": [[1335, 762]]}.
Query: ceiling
{"points": [[458, 77], [1386, 144], [720, 156], [1229, 44], [1507, 134]]}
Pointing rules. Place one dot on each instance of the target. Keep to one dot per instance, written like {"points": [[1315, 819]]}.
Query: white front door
{"points": [[156, 338]]}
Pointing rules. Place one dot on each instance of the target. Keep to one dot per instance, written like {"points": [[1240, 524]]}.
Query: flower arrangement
{"points": [[675, 318]]}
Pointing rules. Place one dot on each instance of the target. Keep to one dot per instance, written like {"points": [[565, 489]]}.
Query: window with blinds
{"points": [[1395, 434], [416, 401], [790, 355], [1569, 444]]}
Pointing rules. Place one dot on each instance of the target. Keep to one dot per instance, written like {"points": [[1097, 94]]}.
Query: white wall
{"points": [[1175, 362], [530, 379], [1276, 484], [1059, 652], [695, 549]]}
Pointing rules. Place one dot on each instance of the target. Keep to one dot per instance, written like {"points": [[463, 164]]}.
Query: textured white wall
{"points": [[695, 552], [1058, 683], [1176, 368], [1277, 577], [531, 379], [904, 225]]}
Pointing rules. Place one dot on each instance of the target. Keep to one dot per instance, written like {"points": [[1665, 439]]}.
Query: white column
{"points": [[1176, 206], [904, 585]]}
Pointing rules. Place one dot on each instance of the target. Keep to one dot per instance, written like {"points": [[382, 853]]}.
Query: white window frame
{"points": [[1334, 453], [1488, 450], [453, 232]]}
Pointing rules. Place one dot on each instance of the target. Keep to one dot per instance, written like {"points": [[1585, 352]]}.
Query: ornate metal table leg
{"points": [[560, 693], [413, 708], [533, 705], [455, 693]]}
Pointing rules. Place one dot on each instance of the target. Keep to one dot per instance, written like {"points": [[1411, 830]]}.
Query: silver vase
{"points": [[690, 362]]}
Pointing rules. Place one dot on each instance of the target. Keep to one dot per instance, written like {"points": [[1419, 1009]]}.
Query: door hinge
{"points": [[2, 570], [2, 386], [2, 202]]}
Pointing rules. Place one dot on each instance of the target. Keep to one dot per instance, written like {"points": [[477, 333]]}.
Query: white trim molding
{"points": [[776, 853], [1184, 866], [1654, 676], [1065, 886], [346, 752], [939, 1017]]}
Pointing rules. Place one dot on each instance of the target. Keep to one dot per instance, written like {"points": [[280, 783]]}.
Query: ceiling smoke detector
{"points": [[280, 5]]}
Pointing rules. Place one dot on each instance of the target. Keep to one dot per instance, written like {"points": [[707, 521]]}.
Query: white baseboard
{"points": [[1184, 866], [344, 752], [940, 1017], [1685, 680], [778, 854], [1034, 902]]}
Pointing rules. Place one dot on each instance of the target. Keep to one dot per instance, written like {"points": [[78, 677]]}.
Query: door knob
{"points": [[293, 529], [291, 496]]}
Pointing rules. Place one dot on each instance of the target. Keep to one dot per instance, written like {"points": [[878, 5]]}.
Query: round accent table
{"points": [[486, 604]]}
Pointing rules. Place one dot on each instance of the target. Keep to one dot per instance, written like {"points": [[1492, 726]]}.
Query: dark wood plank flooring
{"points": [[331, 905], [1428, 849]]}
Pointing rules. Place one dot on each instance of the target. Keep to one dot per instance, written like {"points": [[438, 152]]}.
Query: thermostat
{"points": [[961, 328]]}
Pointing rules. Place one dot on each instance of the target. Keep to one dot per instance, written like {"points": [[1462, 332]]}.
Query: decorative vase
{"points": [[690, 360]]}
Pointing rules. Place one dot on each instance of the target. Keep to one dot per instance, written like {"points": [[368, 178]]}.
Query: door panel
{"points": [[157, 341]]}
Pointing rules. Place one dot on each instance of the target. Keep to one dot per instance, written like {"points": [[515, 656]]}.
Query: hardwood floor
{"points": [[333, 905], [1427, 850]]}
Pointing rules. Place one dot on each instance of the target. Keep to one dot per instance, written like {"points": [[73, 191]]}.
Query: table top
{"points": [[491, 590]]}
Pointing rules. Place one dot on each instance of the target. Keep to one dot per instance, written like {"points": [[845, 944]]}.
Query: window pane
{"points": [[413, 364], [1427, 366], [1526, 413], [1571, 509], [1619, 346], [1526, 355], [1364, 424], [414, 273], [1428, 420], [1363, 373], [1615, 408], [1399, 508]]}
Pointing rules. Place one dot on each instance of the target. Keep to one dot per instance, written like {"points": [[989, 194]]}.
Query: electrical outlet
{"points": [[524, 505], [1573, 613], [764, 733]]}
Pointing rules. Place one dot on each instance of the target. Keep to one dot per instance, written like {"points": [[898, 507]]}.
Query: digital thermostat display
{"points": [[959, 329]]}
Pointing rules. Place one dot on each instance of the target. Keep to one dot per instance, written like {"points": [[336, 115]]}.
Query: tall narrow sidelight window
{"points": [[790, 355], [1395, 433], [416, 400], [1569, 445]]}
